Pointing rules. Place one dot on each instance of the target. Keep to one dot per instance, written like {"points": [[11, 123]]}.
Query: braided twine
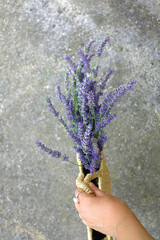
{"points": [[104, 183]]}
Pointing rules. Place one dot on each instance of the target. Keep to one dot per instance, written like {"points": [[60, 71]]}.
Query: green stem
{"points": [[88, 159], [74, 163]]}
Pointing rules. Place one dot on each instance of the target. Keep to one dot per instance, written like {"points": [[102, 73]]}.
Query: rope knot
{"points": [[83, 181]]}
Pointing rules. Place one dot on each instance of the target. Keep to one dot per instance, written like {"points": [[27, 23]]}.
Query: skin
{"points": [[109, 215]]}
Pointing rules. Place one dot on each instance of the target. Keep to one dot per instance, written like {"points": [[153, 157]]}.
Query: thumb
{"points": [[97, 192]]}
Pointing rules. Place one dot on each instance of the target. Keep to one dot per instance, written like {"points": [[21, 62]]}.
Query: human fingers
{"points": [[78, 195], [97, 192], [78, 190], [82, 197]]}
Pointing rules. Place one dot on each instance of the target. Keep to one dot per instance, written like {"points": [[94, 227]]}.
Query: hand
{"points": [[109, 215], [102, 212]]}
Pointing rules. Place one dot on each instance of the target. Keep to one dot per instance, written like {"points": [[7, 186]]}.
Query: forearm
{"points": [[110, 215], [132, 229]]}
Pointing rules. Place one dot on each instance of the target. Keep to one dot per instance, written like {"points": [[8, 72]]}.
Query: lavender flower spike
{"points": [[95, 163], [87, 48], [84, 59], [65, 158], [75, 138], [86, 139], [60, 96], [100, 50], [55, 154], [71, 64], [51, 108], [103, 83], [64, 124], [80, 133]]}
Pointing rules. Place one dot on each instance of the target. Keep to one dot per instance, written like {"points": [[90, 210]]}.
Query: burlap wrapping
{"points": [[104, 184]]}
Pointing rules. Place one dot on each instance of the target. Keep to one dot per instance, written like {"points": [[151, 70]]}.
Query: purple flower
{"points": [[95, 71], [83, 108], [87, 116], [66, 81], [69, 103], [69, 117], [95, 163], [65, 158], [92, 55], [91, 99], [104, 122], [84, 159], [75, 138], [103, 83], [113, 96], [87, 48], [95, 146], [100, 50], [51, 108], [60, 96], [86, 142], [61, 120], [53, 153], [95, 157], [84, 111], [102, 139], [69, 106], [84, 61], [80, 132], [70, 62], [88, 85]]}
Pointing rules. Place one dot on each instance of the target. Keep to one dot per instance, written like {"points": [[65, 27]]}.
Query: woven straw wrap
{"points": [[104, 184]]}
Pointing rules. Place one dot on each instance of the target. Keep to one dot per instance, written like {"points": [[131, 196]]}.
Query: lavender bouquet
{"points": [[87, 113]]}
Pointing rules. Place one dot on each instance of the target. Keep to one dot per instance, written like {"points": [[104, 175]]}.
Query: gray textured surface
{"points": [[35, 190]]}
